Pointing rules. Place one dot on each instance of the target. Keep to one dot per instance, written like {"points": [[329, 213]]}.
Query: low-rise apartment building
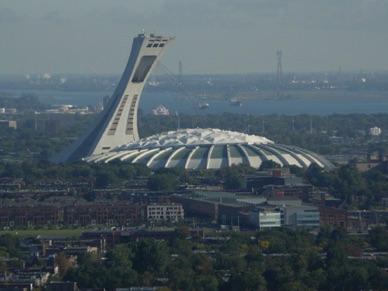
{"points": [[101, 214], [172, 212], [28, 215]]}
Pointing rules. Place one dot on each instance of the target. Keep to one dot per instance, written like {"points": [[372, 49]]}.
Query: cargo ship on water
{"points": [[236, 102], [160, 110], [202, 105]]}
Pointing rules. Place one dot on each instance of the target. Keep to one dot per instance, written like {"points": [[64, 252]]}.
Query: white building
{"points": [[172, 212], [265, 218], [301, 216], [375, 131], [291, 213]]}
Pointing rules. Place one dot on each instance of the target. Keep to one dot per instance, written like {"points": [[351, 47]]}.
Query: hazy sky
{"points": [[217, 36]]}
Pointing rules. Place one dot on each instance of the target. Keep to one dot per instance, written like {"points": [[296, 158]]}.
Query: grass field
{"points": [[44, 232]]}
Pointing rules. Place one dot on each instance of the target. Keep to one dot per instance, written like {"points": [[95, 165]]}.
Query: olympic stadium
{"points": [[209, 149], [114, 135]]}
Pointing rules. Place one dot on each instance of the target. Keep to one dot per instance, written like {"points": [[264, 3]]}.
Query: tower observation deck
{"points": [[117, 123]]}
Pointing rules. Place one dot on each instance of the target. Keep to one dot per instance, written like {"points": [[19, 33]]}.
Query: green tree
{"points": [[81, 170], [268, 165], [351, 183], [165, 182], [10, 244], [337, 263], [119, 267], [104, 178], [378, 238], [150, 256], [90, 273]]}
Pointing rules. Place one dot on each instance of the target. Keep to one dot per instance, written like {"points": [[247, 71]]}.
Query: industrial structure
{"points": [[279, 74]]}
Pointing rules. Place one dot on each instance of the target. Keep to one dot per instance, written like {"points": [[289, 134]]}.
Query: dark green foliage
{"points": [[90, 274], [183, 176], [233, 175], [115, 271], [119, 267], [104, 178], [360, 190], [296, 261], [24, 102], [150, 256], [378, 238], [101, 175], [9, 244], [269, 164], [165, 182]]}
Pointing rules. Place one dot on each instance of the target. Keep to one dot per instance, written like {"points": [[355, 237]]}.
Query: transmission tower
{"points": [[279, 74], [180, 72]]}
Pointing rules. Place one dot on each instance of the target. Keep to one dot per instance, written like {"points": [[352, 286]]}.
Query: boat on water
{"points": [[153, 83], [235, 102], [160, 110], [202, 105]]}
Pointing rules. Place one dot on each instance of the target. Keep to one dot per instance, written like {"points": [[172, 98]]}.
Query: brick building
{"points": [[333, 216], [28, 215], [101, 214]]}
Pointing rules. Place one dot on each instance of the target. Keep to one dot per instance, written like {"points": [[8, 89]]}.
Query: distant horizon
{"points": [[212, 37], [346, 72]]}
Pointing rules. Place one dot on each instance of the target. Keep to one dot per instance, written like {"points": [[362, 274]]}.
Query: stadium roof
{"points": [[209, 149]]}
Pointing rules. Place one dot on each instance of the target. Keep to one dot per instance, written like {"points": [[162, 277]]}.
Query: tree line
{"points": [[278, 259]]}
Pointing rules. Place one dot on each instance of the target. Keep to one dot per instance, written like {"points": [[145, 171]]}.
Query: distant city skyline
{"points": [[212, 37]]}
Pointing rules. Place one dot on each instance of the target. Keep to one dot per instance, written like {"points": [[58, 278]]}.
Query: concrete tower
{"points": [[117, 123]]}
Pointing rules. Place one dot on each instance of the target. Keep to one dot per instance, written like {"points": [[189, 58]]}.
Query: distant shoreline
{"points": [[323, 102], [303, 94]]}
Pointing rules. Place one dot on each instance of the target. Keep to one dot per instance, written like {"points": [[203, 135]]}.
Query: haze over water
{"points": [[315, 106]]}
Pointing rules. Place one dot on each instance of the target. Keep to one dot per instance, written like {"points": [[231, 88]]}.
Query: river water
{"points": [[347, 104]]}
